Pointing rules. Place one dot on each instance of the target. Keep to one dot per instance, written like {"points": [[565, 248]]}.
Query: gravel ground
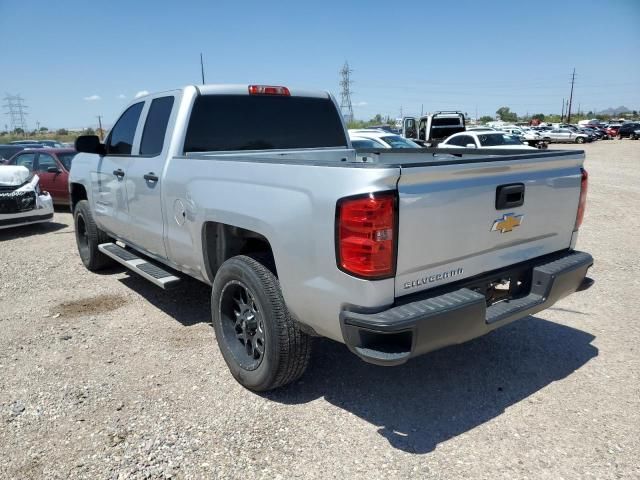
{"points": [[106, 376]]}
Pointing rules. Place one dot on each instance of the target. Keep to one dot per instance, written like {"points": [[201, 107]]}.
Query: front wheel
{"points": [[262, 345], [580, 140], [88, 237]]}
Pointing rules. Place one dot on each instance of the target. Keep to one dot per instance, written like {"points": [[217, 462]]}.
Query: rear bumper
{"points": [[393, 336]]}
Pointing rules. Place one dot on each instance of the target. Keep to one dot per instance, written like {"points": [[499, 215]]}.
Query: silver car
{"points": [[565, 135]]}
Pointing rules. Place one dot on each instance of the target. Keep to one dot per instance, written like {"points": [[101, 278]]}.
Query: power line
{"points": [[345, 99], [17, 111]]}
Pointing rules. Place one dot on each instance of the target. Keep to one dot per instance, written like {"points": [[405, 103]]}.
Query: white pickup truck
{"points": [[256, 191]]}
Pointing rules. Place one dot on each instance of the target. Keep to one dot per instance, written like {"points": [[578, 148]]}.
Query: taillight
{"points": [[584, 183], [268, 90], [366, 232]]}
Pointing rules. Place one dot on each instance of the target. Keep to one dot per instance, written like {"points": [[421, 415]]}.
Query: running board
{"points": [[142, 267]]}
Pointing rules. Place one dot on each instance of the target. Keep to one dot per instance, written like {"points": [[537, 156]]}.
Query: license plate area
{"points": [[509, 285]]}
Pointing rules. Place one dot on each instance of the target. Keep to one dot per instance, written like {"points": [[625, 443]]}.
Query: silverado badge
{"points": [[508, 222]]}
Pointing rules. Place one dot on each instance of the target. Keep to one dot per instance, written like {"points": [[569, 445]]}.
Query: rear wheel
{"points": [[262, 345], [88, 237], [580, 140]]}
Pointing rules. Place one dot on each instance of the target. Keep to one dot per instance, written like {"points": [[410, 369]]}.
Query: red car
{"points": [[52, 166], [612, 130]]}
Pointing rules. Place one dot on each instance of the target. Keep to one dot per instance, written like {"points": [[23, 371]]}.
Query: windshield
{"points": [[396, 141], [496, 139], [366, 143], [66, 158]]}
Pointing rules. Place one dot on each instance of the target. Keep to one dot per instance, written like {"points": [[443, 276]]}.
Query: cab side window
{"points": [[155, 127], [120, 141]]}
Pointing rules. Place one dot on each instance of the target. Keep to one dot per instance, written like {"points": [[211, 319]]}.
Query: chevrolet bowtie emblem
{"points": [[508, 222]]}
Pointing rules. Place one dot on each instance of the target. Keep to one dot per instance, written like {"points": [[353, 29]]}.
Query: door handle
{"points": [[118, 173], [151, 177]]}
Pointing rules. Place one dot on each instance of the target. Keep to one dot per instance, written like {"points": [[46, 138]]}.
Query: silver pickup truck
{"points": [[256, 191]]}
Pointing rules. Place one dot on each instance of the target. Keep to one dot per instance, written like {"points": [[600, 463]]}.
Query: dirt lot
{"points": [[106, 376]]}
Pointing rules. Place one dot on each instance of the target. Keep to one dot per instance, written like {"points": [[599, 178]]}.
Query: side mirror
{"points": [[89, 144], [53, 170], [470, 145]]}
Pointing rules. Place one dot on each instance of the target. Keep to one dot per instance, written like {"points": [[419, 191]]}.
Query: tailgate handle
{"points": [[509, 196]]}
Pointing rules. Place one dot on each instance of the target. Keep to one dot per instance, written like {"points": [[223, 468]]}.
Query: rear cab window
{"points": [[256, 122]]}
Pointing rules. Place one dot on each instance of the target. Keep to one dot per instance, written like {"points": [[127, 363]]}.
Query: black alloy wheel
{"points": [[242, 324]]}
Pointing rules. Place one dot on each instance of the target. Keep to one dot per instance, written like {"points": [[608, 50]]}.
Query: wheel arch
{"points": [[222, 241], [78, 192]]}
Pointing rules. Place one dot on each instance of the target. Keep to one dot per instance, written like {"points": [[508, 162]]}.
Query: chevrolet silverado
{"points": [[257, 191]]}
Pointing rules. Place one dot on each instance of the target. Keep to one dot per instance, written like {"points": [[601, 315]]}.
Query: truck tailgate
{"points": [[451, 228]]}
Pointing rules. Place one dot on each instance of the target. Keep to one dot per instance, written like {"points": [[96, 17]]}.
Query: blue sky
{"points": [[74, 60]]}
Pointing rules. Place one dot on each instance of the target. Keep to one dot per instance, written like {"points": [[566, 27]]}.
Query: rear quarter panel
{"points": [[293, 206]]}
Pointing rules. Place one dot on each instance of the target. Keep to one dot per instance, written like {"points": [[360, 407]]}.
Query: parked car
{"points": [[612, 130], [8, 151], [25, 142], [565, 135], [475, 139], [481, 129], [600, 132], [432, 129], [52, 166], [588, 132], [629, 130], [369, 138], [22, 201], [51, 143], [226, 184], [526, 136], [386, 128]]}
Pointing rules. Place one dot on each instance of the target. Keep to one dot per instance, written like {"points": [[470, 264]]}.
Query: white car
{"points": [[21, 201], [484, 139], [377, 138]]}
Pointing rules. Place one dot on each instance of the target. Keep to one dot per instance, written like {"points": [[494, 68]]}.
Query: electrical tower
{"points": [[345, 100], [17, 111]]}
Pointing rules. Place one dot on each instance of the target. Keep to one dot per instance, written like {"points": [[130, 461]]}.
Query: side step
{"points": [[142, 267]]}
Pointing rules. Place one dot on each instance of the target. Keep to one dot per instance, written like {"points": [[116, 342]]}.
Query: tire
{"points": [[88, 237], [262, 345], [580, 140]]}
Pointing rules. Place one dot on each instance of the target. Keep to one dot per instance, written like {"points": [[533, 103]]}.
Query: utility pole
{"points": [[573, 79], [562, 114], [202, 68], [37, 126], [345, 97], [422, 109], [100, 126]]}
